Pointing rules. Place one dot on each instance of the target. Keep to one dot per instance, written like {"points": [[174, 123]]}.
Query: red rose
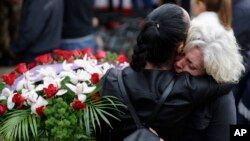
{"points": [[100, 54], [58, 53], [9, 78], [50, 91], [63, 54], [31, 65], [21, 68], [2, 109], [40, 111], [121, 58], [95, 96], [44, 59], [18, 99], [87, 51], [78, 105], [94, 78], [76, 53]]}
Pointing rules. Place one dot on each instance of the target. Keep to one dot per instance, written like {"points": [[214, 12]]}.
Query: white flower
{"points": [[51, 78], [87, 65], [26, 82], [105, 67], [40, 101], [80, 89], [30, 96], [83, 75], [10, 103], [47, 72], [67, 67], [75, 77], [6, 92], [71, 75]]}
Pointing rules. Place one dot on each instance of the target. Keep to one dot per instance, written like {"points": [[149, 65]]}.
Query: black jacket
{"points": [[145, 89], [211, 121], [40, 30]]}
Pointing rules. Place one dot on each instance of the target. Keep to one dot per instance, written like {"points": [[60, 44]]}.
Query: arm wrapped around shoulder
{"points": [[203, 89]]}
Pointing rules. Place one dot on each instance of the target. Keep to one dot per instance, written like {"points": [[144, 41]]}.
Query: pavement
{"points": [[5, 70]]}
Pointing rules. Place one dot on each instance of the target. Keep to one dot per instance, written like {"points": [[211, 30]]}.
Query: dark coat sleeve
{"points": [[202, 89]]}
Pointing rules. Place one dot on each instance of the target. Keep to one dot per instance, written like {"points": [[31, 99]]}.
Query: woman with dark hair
{"points": [[163, 34]]}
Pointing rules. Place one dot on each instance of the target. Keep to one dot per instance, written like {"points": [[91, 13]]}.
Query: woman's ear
{"points": [[180, 48]]}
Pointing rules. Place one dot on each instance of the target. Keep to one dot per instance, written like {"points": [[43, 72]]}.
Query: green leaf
{"points": [[103, 117], [2, 85], [86, 120], [92, 117], [97, 118], [16, 125], [33, 126], [104, 112]]}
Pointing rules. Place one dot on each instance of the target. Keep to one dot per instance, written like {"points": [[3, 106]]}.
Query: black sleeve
{"points": [[223, 115], [204, 89], [34, 16]]}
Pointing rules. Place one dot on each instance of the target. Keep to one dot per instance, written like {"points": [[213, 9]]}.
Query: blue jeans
{"points": [[80, 43]]}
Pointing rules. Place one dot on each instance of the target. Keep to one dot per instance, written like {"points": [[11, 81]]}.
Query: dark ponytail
{"points": [[164, 29], [147, 36]]}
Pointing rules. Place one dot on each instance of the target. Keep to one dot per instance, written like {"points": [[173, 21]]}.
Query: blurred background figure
{"points": [[10, 11], [40, 29], [78, 31], [219, 11], [241, 20]]}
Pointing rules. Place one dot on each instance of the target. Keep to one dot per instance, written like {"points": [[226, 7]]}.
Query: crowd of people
{"points": [[207, 57]]}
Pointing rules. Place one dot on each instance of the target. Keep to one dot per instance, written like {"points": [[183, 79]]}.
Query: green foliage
{"points": [[19, 125], [61, 122], [2, 85], [110, 57], [99, 111]]}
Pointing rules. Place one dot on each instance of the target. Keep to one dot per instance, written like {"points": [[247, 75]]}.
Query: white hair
{"points": [[221, 56]]}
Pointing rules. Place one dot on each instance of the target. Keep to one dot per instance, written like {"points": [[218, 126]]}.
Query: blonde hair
{"points": [[221, 56], [223, 8]]}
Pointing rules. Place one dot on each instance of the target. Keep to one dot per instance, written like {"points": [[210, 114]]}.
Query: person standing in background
{"points": [[241, 14], [40, 30], [77, 25], [10, 12], [211, 11]]}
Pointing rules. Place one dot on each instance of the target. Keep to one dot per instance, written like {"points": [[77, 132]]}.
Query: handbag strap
{"points": [[126, 98], [130, 106], [162, 100]]}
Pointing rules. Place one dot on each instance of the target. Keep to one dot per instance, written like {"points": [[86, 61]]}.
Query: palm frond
{"points": [[98, 111], [92, 119], [19, 125], [87, 120]]}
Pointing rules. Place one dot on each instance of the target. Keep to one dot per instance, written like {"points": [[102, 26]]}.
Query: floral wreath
{"points": [[57, 96]]}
